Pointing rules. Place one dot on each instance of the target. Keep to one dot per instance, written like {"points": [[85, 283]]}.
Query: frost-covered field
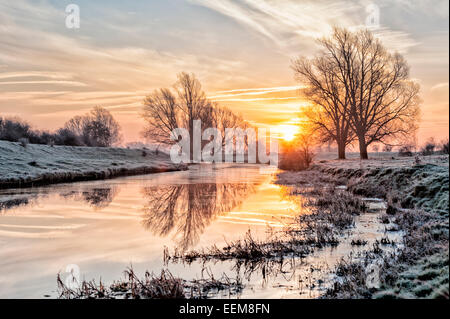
{"points": [[421, 182], [32, 164], [416, 192]]}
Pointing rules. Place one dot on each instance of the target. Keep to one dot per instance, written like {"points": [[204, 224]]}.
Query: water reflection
{"points": [[97, 197], [188, 209], [11, 202], [183, 210], [99, 225]]}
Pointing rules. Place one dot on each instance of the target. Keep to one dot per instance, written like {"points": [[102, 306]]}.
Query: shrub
{"points": [[14, 129], [98, 128], [66, 137], [405, 150], [387, 148], [444, 147], [428, 148], [295, 160]]}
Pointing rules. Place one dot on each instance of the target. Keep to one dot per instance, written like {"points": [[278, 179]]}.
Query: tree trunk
{"points": [[363, 148], [341, 150]]}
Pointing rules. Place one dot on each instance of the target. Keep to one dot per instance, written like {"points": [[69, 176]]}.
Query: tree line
{"points": [[164, 110], [359, 92], [167, 109], [96, 128]]}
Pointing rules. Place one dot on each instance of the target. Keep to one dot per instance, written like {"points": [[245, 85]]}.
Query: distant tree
{"points": [[224, 118], [12, 129], [97, 128], [429, 147], [445, 146], [383, 101], [387, 148], [76, 125], [101, 129], [161, 113]]}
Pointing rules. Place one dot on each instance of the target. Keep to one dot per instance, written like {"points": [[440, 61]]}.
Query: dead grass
{"points": [[151, 286], [418, 269], [417, 198]]}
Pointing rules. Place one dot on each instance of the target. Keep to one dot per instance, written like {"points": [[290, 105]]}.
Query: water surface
{"points": [[105, 226], [100, 228]]}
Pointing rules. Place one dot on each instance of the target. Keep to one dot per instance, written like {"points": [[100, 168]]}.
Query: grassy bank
{"points": [[417, 196], [34, 165]]}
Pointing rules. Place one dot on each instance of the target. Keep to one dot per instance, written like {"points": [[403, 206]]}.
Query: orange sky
{"points": [[241, 51]]}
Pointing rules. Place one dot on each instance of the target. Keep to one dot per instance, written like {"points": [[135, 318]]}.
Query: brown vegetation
{"points": [[163, 286]]}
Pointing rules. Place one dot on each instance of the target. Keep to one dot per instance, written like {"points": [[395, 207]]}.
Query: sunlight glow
{"points": [[287, 132]]}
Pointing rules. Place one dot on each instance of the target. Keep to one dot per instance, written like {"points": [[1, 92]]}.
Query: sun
{"points": [[287, 132]]}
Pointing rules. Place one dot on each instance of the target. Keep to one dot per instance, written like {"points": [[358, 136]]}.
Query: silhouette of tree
{"points": [[188, 209]]}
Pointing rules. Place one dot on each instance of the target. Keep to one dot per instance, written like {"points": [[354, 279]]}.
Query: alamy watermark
{"points": [[373, 16], [72, 16], [208, 145]]}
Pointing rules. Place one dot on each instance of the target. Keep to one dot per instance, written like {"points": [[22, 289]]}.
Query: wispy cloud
{"points": [[288, 24], [440, 86], [255, 91]]}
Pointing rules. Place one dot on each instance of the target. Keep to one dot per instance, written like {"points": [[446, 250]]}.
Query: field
{"points": [[33, 165]]}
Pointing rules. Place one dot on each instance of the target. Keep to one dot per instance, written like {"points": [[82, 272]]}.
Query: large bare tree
{"points": [[168, 109], [383, 102], [329, 112]]}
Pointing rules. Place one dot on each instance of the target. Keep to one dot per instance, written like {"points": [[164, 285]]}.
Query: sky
{"points": [[241, 51]]}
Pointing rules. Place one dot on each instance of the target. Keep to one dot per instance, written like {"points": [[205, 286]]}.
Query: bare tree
{"points": [[225, 118], [167, 109], [383, 102], [329, 112], [75, 125], [97, 128], [161, 115]]}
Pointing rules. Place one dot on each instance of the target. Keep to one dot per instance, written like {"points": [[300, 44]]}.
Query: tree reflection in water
{"points": [[97, 197], [187, 209]]}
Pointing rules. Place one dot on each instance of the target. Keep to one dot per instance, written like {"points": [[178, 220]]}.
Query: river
{"points": [[100, 228]]}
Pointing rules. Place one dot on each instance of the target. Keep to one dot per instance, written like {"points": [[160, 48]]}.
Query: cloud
{"points": [[440, 86], [290, 24], [63, 83], [257, 99], [255, 91]]}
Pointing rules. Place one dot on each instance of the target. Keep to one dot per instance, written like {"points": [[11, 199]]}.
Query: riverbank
{"points": [[35, 165], [417, 195], [403, 181]]}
